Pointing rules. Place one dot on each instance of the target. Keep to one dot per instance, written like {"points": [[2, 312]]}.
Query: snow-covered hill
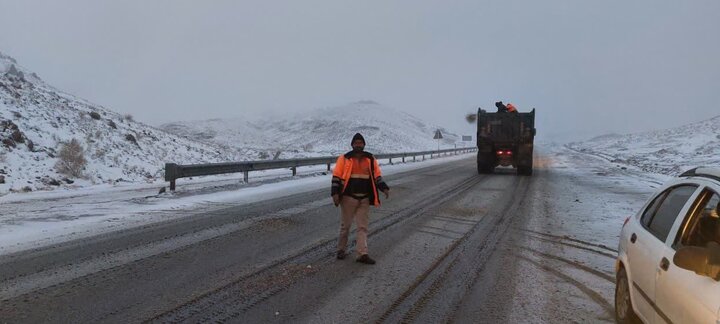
{"points": [[324, 131], [669, 151], [36, 119]]}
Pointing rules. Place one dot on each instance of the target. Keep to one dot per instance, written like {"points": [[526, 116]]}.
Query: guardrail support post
{"points": [[171, 174], [328, 167], [246, 176], [391, 161], [403, 159], [294, 170], [414, 158]]}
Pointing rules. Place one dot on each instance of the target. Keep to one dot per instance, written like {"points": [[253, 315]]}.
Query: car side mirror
{"points": [[704, 261]]}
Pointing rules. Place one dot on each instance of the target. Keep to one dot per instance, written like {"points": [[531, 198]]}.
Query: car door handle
{"points": [[664, 264], [633, 238]]}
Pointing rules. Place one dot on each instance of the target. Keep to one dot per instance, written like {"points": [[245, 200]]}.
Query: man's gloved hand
{"points": [[336, 200]]}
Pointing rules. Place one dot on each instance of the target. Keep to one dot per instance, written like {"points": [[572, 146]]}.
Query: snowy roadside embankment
{"points": [[668, 152]]}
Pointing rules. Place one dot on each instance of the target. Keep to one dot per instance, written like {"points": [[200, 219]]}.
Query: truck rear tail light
{"points": [[500, 152], [508, 152]]}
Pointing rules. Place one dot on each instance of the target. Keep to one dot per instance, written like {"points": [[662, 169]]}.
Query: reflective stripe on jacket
{"points": [[343, 171]]}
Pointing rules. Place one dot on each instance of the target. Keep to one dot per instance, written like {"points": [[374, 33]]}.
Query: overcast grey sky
{"points": [[589, 67]]}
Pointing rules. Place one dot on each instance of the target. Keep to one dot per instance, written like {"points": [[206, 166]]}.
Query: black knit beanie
{"points": [[358, 136]]}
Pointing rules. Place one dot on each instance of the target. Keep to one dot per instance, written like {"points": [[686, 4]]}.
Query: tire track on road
{"points": [[571, 263], [565, 237], [415, 298], [596, 297], [609, 255]]}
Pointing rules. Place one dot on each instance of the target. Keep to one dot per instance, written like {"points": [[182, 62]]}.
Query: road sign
{"points": [[438, 134], [466, 138]]}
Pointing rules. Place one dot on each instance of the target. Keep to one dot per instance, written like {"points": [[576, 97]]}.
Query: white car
{"points": [[668, 266]]}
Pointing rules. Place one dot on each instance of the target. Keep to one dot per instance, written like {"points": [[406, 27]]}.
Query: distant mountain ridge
{"points": [[325, 131], [36, 120], [670, 151]]}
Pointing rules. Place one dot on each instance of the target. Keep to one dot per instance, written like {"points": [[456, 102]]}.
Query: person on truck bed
{"points": [[501, 107]]}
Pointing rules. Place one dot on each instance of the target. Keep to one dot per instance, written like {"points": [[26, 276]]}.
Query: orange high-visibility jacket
{"points": [[343, 170]]}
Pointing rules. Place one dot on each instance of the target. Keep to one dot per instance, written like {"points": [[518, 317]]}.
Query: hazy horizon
{"points": [[588, 68]]}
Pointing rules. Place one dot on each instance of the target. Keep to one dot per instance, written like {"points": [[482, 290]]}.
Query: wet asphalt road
{"points": [[450, 245]]}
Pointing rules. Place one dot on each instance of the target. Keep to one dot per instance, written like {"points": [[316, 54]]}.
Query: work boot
{"points": [[341, 254], [365, 259]]}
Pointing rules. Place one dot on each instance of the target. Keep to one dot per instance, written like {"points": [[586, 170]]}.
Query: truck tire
{"points": [[484, 169], [524, 170], [484, 165]]}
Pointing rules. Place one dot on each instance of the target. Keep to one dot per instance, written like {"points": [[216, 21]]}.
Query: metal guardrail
{"points": [[176, 171]]}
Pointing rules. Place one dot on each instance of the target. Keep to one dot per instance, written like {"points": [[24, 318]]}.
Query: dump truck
{"points": [[505, 139]]}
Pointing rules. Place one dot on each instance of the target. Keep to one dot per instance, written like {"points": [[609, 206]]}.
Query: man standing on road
{"points": [[356, 181]]}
